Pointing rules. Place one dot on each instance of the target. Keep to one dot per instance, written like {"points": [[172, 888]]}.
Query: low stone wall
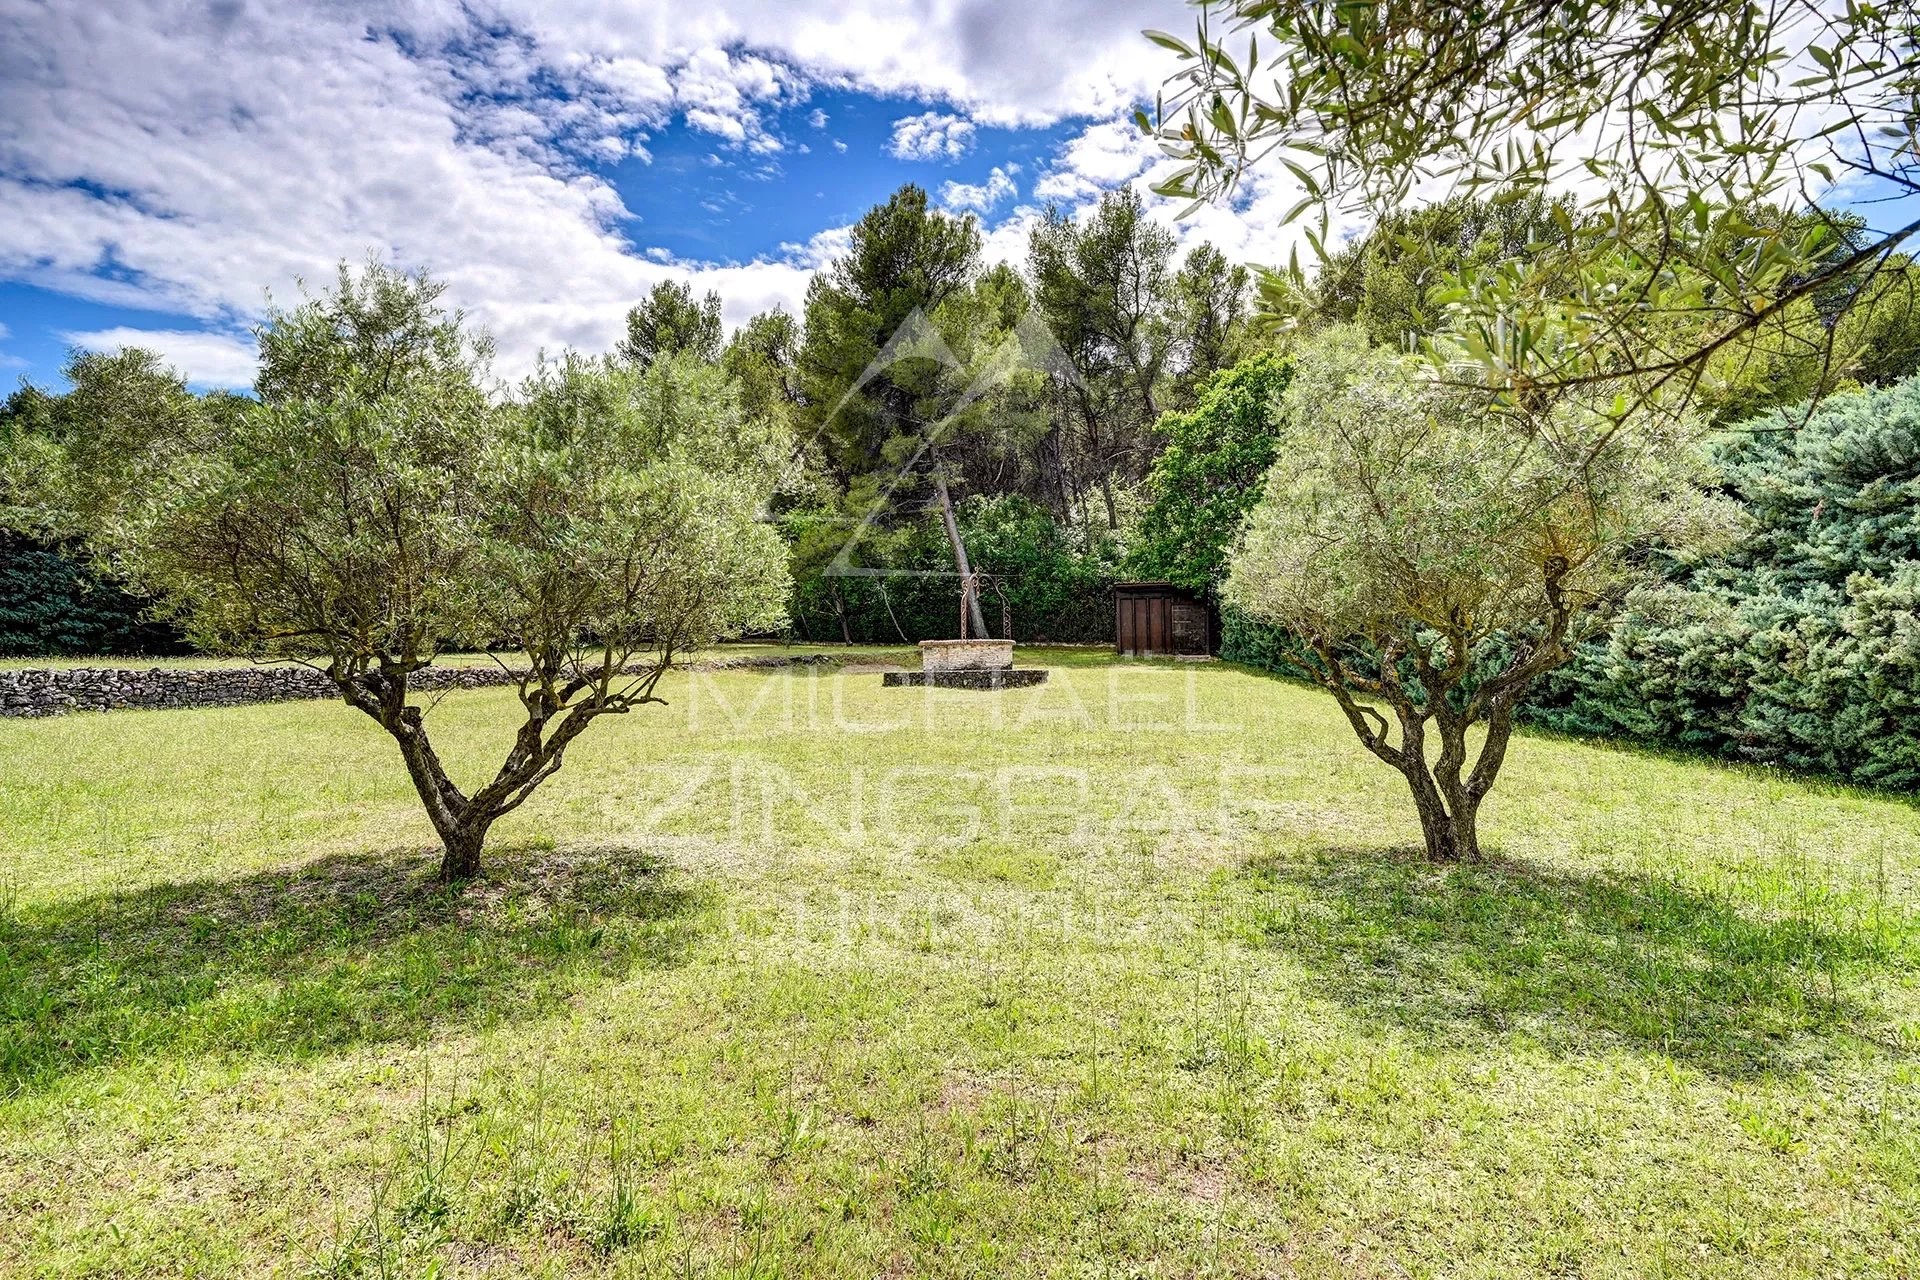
{"points": [[52, 692], [994, 678]]}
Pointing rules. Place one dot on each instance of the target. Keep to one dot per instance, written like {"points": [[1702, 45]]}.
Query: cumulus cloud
{"points": [[981, 196], [931, 135], [978, 56], [821, 248], [190, 159], [1114, 153], [211, 359], [223, 187], [1101, 156], [1008, 239], [724, 93]]}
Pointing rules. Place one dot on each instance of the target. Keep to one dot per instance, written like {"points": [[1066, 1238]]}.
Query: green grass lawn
{"points": [[1131, 974]]}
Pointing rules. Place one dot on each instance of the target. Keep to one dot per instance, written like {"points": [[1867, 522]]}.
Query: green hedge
{"points": [[1057, 579], [1801, 645], [50, 604]]}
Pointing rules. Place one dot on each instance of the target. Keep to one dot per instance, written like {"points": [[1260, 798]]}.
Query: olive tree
{"points": [[1433, 558], [377, 506], [1694, 145]]}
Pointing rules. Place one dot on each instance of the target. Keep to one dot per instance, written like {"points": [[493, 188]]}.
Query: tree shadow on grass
{"points": [[353, 949], [1578, 963]]}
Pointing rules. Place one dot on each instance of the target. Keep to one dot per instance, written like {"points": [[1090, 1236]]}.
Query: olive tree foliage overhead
{"points": [[1435, 560], [1396, 281], [377, 505], [1694, 141]]}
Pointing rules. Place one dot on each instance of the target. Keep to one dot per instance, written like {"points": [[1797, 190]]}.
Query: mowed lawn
{"points": [[1131, 974]]}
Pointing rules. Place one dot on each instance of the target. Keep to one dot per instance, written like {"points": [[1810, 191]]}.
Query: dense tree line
{"points": [[942, 398], [947, 415]]}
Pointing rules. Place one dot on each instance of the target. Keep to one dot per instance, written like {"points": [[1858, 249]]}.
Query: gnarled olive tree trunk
{"points": [[1436, 695], [556, 713]]}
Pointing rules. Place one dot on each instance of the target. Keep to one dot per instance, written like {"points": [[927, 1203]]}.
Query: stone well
{"points": [[966, 655], [966, 664]]}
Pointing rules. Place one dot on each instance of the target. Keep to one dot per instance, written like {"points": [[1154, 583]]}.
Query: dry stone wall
{"points": [[56, 691]]}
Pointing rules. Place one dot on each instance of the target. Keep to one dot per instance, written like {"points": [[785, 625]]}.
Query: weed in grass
{"points": [[377, 1245], [527, 1152], [797, 1132], [624, 1217], [433, 1142]]}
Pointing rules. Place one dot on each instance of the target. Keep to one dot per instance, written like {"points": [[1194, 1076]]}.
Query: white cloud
{"points": [[318, 143], [1114, 153], [1101, 156], [931, 135], [821, 249], [5, 333], [981, 196], [1007, 240], [723, 93], [245, 147], [212, 359], [999, 62]]}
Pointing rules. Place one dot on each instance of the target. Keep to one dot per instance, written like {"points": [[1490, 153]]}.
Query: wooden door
{"points": [[1189, 627]]}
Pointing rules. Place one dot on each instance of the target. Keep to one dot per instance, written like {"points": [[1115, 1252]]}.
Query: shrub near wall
{"points": [[51, 605], [1801, 645]]}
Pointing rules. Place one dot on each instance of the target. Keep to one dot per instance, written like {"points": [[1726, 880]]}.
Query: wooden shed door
{"points": [[1140, 612], [1189, 627], [1158, 623], [1140, 625]]}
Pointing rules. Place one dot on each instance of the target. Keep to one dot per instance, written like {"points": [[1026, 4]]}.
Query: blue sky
{"points": [[164, 165], [697, 201], [692, 199]]}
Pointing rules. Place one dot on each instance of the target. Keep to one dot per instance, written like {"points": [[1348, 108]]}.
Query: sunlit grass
{"points": [[1131, 973]]}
